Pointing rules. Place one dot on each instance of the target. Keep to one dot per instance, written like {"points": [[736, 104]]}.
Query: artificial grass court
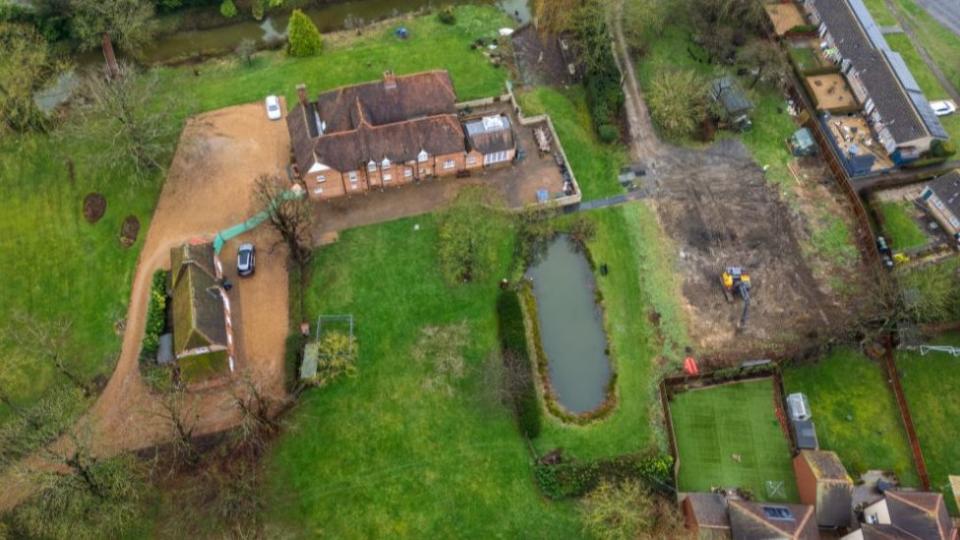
{"points": [[729, 436]]}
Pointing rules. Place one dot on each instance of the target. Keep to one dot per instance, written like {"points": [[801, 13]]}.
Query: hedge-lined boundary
{"points": [[518, 369], [156, 317], [562, 478]]}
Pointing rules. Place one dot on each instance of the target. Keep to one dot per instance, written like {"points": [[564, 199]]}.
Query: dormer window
{"points": [[372, 166], [385, 164], [422, 156]]}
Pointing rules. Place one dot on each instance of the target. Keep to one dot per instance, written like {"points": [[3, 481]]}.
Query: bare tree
{"points": [[101, 22], [123, 113], [258, 412], [767, 61], [289, 213], [49, 342], [177, 411]]}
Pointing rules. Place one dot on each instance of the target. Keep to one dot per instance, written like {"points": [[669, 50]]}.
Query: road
{"points": [[947, 12]]}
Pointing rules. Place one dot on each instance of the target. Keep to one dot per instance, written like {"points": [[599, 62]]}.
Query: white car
{"points": [[943, 107], [273, 108]]}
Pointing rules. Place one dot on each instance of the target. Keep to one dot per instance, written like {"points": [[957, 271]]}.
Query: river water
{"points": [[571, 327]]}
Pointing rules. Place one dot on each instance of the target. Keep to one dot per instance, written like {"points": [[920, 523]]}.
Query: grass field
{"points": [[901, 229], [58, 266], [715, 424], [930, 383], [385, 455], [855, 413]]}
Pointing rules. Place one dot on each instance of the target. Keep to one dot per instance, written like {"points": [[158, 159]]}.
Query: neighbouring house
{"points": [[733, 101], [391, 132], [942, 198], [823, 483], [714, 516], [906, 514], [892, 101], [202, 329]]}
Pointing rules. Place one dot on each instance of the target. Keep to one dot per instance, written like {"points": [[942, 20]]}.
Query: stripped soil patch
{"points": [[129, 231], [94, 206]]}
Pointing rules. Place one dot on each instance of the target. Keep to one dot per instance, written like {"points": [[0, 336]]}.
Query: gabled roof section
{"points": [[429, 93], [921, 514], [947, 188], [710, 510], [752, 521], [198, 316]]}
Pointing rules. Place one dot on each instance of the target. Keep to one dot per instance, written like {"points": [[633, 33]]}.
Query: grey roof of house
{"points": [[921, 514], [488, 137], [947, 188], [749, 521], [902, 106]]}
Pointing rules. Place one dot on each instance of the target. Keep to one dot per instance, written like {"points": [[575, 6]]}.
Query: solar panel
{"points": [[901, 70], [929, 119]]}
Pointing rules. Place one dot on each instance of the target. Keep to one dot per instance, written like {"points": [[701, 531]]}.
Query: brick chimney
{"points": [[302, 93], [389, 80]]}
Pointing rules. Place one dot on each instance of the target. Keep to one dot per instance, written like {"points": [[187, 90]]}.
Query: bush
{"points": [[303, 38], [446, 15], [560, 478], [228, 9], [519, 382], [156, 316], [293, 355], [942, 149], [602, 78], [608, 133], [677, 100]]}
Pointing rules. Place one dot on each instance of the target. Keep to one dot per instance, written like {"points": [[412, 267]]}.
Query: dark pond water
{"points": [[571, 327]]}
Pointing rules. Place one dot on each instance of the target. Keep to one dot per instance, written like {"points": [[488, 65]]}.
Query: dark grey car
{"points": [[246, 260]]}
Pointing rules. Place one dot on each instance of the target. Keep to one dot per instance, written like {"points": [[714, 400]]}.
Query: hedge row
{"points": [[562, 478], [602, 82], [156, 316], [518, 369]]}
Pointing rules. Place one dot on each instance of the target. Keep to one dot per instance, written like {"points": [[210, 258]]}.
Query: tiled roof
{"points": [[198, 317], [947, 188], [921, 514], [749, 521]]}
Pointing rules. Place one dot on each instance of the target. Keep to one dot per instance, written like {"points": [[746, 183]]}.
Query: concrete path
{"points": [[947, 12]]}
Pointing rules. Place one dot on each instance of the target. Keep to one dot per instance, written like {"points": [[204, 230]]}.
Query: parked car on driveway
{"points": [[943, 107], [246, 260], [273, 108]]}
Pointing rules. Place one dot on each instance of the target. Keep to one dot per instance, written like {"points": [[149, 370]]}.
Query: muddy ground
{"points": [[718, 209]]}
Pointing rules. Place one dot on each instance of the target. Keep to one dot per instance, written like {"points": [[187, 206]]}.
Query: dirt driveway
{"points": [[208, 188]]}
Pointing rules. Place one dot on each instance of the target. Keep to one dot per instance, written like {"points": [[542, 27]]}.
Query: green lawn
{"points": [[58, 266], [383, 454], [713, 425], [940, 42], [855, 413], [930, 383], [901, 229]]}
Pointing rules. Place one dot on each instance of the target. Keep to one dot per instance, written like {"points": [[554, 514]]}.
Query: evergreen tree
{"points": [[303, 38]]}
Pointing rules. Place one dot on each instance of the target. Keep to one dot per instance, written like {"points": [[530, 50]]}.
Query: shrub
{"points": [[602, 78], [677, 100], [293, 355], [228, 9], [446, 15], [336, 355], [608, 133], [560, 478], [156, 316], [519, 383], [942, 149], [303, 38]]}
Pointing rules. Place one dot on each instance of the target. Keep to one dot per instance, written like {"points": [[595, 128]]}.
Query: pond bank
{"points": [[566, 320]]}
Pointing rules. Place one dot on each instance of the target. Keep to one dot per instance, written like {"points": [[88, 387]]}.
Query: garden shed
{"points": [[733, 101]]}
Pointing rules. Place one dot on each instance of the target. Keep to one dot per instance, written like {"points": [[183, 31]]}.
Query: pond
{"points": [[571, 327]]}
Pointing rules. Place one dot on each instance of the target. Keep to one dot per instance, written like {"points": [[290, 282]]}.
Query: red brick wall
{"points": [[806, 481]]}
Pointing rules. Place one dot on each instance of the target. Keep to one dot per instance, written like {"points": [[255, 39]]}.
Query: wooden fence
{"points": [[894, 378]]}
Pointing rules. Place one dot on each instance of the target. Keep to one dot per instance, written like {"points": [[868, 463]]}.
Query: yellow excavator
{"points": [[736, 281]]}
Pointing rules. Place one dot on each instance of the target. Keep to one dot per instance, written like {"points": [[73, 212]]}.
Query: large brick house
{"points": [[391, 132]]}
